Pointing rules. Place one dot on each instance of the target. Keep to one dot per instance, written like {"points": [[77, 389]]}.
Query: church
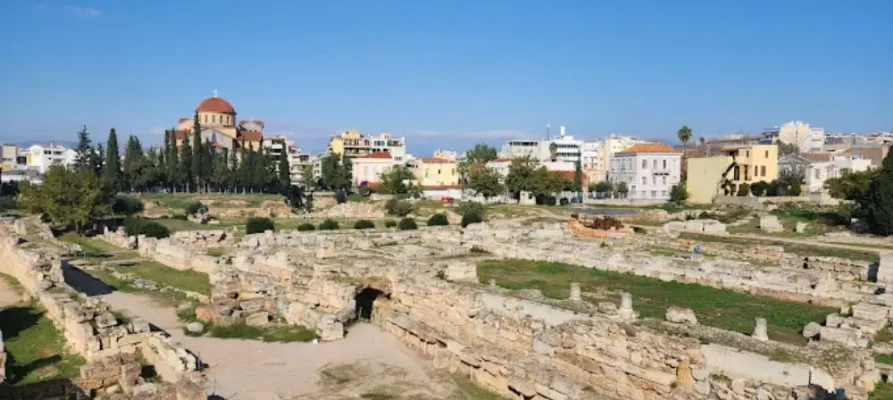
{"points": [[217, 119]]}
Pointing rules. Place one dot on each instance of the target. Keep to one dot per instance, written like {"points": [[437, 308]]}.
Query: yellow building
{"points": [[9, 154], [353, 143], [709, 177], [431, 171]]}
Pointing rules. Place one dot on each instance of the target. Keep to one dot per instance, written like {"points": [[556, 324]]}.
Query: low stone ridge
{"points": [[88, 325]]}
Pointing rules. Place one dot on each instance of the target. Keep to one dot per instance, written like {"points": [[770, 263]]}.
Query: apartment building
{"points": [[596, 156], [353, 144], [41, 156], [368, 168], [10, 155], [724, 174], [832, 167], [434, 171], [806, 138], [649, 170], [560, 148]]}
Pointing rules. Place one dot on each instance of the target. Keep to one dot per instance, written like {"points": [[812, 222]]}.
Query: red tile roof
{"points": [[435, 160], [568, 175], [379, 155], [817, 157], [650, 148], [251, 136], [216, 104], [184, 119]]}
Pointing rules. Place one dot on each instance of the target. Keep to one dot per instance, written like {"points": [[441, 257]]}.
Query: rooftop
{"points": [[661, 148]]}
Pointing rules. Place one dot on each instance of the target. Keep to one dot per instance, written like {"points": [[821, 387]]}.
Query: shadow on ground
{"points": [[83, 282]]}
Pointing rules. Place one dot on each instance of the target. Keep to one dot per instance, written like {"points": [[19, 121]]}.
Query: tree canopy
{"points": [[69, 197], [485, 181]]}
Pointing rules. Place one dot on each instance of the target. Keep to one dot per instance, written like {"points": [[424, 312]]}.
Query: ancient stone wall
{"points": [[88, 325], [2, 360]]}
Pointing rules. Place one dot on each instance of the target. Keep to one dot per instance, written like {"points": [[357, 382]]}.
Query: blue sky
{"points": [[446, 73]]}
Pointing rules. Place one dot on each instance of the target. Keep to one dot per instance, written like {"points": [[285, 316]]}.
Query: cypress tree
{"points": [[173, 161], [197, 149], [113, 162], [877, 205], [578, 177], [233, 170], [85, 154], [284, 173], [186, 164]]}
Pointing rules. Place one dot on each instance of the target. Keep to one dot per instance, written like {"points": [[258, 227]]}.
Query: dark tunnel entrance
{"points": [[365, 300]]}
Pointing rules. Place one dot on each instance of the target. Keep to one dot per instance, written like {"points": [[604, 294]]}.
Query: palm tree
{"points": [[684, 134], [553, 150]]}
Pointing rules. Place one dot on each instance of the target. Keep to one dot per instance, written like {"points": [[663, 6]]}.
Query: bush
{"points": [[8, 203], [743, 190], [139, 226], [355, 197], [398, 208], [469, 219], [196, 208], [407, 224], [180, 217], [340, 196], [328, 225], [364, 224], [306, 227], [679, 194], [259, 225], [126, 205], [390, 223], [469, 207], [438, 220], [759, 188]]}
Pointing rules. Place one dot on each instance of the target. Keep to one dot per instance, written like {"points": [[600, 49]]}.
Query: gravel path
{"points": [[249, 369]]}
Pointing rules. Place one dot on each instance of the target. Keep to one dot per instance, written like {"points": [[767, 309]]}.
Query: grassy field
{"points": [[88, 244], [36, 350], [726, 309], [179, 201], [799, 249], [189, 280], [883, 391]]}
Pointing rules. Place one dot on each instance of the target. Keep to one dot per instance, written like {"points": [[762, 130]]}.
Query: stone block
{"points": [[847, 336], [769, 223], [681, 315], [870, 311], [258, 319], [885, 268], [834, 320]]}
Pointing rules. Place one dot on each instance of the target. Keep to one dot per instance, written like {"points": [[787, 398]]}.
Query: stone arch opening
{"points": [[365, 302]]}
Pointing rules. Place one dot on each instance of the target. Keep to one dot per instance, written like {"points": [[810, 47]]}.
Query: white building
{"points": [[41, 156], [649, 170], [566, 148], [806, 138], [597, 155], [446, 155], [820, 171], [368, 168]]}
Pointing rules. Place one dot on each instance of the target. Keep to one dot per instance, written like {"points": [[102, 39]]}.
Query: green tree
{"points": [[684, 135], [220, 172], [851, 185], [86, 154], [553, 150], [284, 170], [173, 159], [485, 181], [113, 163], [743, 190], [602, 187], [621, 190], [333, 175], [139, 171], [480, 154], [877, 204], [308, 181], [578, 177], [185, 164], [520, 175], [69, 198], [234, 179], [395, 180], [678, 194], [787, 149], [759, 189]]}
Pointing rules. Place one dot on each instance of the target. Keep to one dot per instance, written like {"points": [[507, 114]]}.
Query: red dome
{"points": [[216, 104]]}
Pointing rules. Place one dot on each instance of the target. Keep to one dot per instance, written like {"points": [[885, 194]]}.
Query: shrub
{"points": [[470, 207], [328, 225], [640, 230], [678, 194], [759, 188], [438, 220], [259, 225], [364, 224], [196, 208], [743, 190], [139, 226], [407, 224], [468, 219], [126, 205], [390, 223], [355, 197], [340, 196], [180, 217], [306, 227], [399, 208], [8, 203]]}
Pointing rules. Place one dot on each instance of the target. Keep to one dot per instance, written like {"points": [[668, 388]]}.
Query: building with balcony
{"points": [[800, 134], [832, 167], [354, 144], [560, 148], [649, 170], [724, 174], [433, 171], [367, 169], [41, 156]]}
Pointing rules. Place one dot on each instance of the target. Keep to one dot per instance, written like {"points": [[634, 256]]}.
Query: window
{"points": [[767, 153], [654, 164], [747, 153], [817, 173], [763, 170], [654, 180], [644, 180], [654, 194], [644, 164], [206, 118], [665, 180], [663, 193], [665, 164]]}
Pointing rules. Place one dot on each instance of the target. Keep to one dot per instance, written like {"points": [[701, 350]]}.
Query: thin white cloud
{"points": [[156, 131], [502, 134], [79, 12]]}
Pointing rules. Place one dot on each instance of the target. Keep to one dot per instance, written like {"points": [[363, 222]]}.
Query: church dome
{"points": [[216, 105]]}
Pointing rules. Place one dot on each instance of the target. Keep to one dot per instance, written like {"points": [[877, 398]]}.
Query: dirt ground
{"points": [[9, 296], [367, 364]]}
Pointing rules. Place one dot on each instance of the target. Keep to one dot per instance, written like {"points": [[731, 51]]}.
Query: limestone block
{"points": [[258, 319], [195, 327], [760, 331], [870, 311], [138, 325], [800, 227], [811, 330], [694, 225], [847, 336], [834, 320], [713, 226], [105, 319], [885, 268], [681, 315], [575, 292], [769, 223]]}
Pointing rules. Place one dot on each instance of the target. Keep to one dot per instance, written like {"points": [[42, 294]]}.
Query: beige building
{"points": [[10, 154], [724, 174], [367, 169], [217, 119], [353, 143], [433, 171]]}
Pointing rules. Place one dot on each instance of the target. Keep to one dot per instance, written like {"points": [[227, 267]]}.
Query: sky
{"points": [[446, 74]]}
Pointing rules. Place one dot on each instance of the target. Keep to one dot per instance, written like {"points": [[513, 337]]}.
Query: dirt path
{"points": [[249, 369]]}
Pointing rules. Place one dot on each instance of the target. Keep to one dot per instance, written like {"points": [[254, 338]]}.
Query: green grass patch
{"points": [[883, 391], [189, 280], [800, 249], [88, 244], [179, 201], [13, 282], [36, 350], [218, 251], [884, 358], [276, 333], [725, 309], [883, 335], [169, 297], [474, 392]]}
